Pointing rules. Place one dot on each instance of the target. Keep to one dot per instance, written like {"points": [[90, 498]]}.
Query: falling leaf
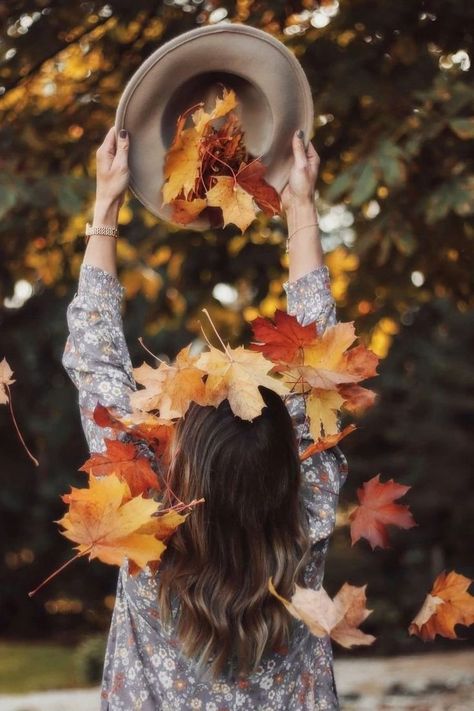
{"points": [[322, 407], [327, 362], [236, 374], [283, 338], [155, 431], [5, 379], [236, 204], [449, 604], [356, 398], [326, 442], [122, 459], [105, 520], [169, 388], [339, 618], [377, 510]]}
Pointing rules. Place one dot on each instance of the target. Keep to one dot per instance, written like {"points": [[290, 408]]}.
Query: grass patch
{"points": [[35, 666]]}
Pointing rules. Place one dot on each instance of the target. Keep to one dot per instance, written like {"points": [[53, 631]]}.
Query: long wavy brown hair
{"points": [[251, 527]]}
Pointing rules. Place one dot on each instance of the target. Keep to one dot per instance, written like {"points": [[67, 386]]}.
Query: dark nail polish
{"points": [[123, 133], [300, 134]]}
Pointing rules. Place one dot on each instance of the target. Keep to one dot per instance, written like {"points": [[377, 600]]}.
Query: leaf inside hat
{"points": [[209, 167]]}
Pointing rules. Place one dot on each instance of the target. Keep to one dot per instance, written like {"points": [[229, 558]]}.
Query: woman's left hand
{"points": [[112, 168]]}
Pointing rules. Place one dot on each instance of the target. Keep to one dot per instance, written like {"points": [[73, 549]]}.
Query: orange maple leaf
{"points": [[356, 398], [326, 442], [122, 459], [377, 510], [339, 618], [169, 388], [155, 431], [448, 604]]}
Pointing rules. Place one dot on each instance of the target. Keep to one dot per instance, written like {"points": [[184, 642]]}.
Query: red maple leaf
{"points": [[377, 510]]}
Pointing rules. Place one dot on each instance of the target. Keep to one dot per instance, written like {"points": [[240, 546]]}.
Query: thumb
{"points": [[122, 146], [299, 150]]}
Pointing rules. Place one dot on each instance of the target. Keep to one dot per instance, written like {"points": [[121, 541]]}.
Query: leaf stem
{"points": [[17, 428]]}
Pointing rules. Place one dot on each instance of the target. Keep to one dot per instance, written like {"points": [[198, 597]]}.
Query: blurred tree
{"points": [[394, 115]]}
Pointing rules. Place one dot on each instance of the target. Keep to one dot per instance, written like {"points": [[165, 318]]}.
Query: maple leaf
{"points": [[224, 104], [155, 431], [122, 459], [185, 211], [322, 407], [235, 202], [182, 164], [326, 442], [339, 618], [236, 374], [283, 338], [5, 379], [356, 398], [169, 388], [377, 510], [250, 178], [161, 526], [183, 159], [448, 604], [327, 364], [107, 522]]}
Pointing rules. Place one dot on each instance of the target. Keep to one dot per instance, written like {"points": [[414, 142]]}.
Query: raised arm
{"points": [[96, 356], [309, 298]]}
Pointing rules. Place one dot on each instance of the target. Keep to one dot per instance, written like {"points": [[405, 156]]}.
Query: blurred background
{"points": [[394, 122]]}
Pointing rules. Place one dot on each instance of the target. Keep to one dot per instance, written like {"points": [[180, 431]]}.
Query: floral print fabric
{"points": [[143, 667]]}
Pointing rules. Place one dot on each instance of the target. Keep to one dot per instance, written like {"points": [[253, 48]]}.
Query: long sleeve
{"points": [[96, 356], [309, 298]]}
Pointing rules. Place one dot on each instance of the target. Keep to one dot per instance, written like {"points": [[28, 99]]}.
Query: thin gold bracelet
{"points": [[311, 224]]}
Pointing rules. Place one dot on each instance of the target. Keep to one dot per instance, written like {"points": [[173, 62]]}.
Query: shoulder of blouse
{"points": [[100, 287]]}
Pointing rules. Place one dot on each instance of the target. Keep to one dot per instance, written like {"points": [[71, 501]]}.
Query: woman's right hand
{"points": [[112, 168], [299, 190]]}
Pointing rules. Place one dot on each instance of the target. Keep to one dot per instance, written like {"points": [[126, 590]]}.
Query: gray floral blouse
{"points": [[143, 667]]}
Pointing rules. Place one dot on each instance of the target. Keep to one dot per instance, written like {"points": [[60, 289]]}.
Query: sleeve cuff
{"points": [[101, 286], [318, 278]]}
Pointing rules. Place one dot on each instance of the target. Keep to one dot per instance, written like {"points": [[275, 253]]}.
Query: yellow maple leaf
{"points": [[182, 165], [321, 408], [106, 521], [236, 374], [224, 104], [183, 159], [235, 202]]}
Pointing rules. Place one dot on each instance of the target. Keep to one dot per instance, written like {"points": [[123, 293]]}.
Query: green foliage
{"points": [[89, 659], [28, 667]]}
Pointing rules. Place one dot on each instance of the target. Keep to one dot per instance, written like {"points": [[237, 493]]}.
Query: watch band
{"points": [[105, 230]]}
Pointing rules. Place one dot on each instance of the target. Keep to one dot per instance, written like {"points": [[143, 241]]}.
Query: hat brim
{"points": [[272, 89]]}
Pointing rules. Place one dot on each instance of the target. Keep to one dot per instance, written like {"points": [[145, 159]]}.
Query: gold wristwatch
{"points": [[106, 230]]}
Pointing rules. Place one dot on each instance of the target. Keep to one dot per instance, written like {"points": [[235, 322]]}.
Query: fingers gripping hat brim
{"points": [[272, 90]]}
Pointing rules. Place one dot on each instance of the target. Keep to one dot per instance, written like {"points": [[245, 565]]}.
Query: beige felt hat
{"points": [[271, 87]]}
